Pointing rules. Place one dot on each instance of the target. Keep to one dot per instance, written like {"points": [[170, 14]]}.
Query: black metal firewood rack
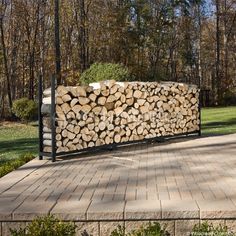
{"points": [[53, 154]]}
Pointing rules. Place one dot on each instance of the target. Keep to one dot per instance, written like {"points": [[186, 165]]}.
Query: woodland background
{"points": [[191, 41]]}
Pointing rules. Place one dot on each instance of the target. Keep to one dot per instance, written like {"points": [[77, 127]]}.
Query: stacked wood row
{"points": [[114, 112]]}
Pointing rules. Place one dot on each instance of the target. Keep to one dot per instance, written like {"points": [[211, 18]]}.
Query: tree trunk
{"points": [[225, 41], [199, 45], [42, 38], [5, 64], [32, 56], [83, 36], [57, 41], [218, 77]]}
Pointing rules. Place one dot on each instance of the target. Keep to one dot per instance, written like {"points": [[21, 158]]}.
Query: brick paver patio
{"points": [[181, 179]]}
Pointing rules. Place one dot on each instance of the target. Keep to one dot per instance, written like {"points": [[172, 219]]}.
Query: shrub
{"points": [[46, 226], [120, 231], [105, 71], [153, 229], [9, 166], [25, 109], [206, 229], [229, 98]]}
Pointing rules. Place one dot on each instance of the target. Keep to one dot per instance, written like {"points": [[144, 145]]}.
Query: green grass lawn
{"points": [[217, 121], [17, 139]]}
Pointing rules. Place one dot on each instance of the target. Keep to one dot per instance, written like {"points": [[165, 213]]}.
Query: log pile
{"points": [[114, 112]]}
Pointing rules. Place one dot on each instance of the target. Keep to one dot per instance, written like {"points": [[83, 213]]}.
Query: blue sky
{"points": [[209, 7]]}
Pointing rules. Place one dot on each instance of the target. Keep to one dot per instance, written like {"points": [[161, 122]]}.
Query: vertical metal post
{"points": [[40, 118], [200, 118], [200, 108], [53, 118]]}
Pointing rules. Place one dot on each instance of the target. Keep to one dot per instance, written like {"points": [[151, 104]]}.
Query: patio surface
{"points": [[180, 179]]}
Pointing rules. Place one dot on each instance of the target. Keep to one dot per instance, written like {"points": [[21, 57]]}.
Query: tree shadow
{"points": [[17, 146], [219, 124], [179, 163]]}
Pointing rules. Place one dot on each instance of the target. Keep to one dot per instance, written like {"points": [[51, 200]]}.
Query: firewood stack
{"points": [[114, 112]]}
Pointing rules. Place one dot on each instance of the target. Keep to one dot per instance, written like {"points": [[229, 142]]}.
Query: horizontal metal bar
{"points": [[115, 145], [45, 154]]}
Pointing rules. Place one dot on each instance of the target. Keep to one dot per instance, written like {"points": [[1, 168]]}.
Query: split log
{"points": [[47, 136], [92, 97], [59, 144], [117, 138], [59, 100], [76, 109], [129, 93], [66, 98], [81, 92], [47, 92], [46, 130], [130, 101], [47, 149], [71, 115], [83, 100], [111, 98], [71, 135], [46, 109], [86, 109], [65, 108], [74, 102], [47, 142], [105, 92], [58, 137], [47, 100], [101, 101], [137, 94], [61, 90], [102, 126], [97, 92], [114, 89], [118, 111]]}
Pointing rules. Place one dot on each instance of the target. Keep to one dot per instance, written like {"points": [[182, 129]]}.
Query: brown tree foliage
{"points": [[188, 41]]}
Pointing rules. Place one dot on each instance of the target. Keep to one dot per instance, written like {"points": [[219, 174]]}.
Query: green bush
{"points": [[205, 229], [120, 231], [25, 109], [46, 226], [11, 165], [105, 71], [229, 98], [153, 229]]}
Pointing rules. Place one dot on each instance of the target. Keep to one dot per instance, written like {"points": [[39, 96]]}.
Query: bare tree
{"points": [[218, 58], [57, 41], [8, 85]]}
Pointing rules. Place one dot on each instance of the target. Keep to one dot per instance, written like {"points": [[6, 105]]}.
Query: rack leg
{"points": [[40, 118], [53, 118]]}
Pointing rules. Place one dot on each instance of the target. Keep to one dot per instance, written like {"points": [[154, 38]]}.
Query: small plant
{"points": [[153, 229], [206, 229], [105, 71], [46, 226], [9, 166], [25, 109], [229, 98], [120, 231]]}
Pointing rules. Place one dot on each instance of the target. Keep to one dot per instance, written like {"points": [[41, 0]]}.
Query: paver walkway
{"points": [[178, 179]]}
